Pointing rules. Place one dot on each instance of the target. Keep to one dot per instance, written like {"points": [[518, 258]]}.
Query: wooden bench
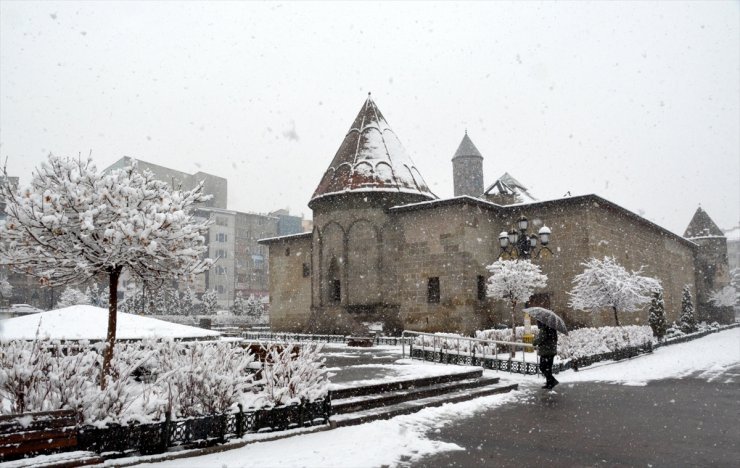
{"points": [[47, 432]]}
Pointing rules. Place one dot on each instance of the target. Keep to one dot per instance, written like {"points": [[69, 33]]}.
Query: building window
{"points": [[221, 253], [336, 290], [220, 289], [306, 270], [433, 290], [220, 270], [221, 237], [222, 221], [481, 288]]}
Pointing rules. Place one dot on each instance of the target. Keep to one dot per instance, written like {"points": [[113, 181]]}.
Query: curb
{"points": [[234, 444]]}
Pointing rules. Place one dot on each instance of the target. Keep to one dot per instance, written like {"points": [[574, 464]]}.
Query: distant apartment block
{"points": [[212, 185], [241, 263]]}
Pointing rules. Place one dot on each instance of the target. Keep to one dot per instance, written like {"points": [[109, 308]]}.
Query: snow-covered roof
{"points": [[520, 207], [467, 148], [85, 322], [466, 199], [288, 237], [701, 225], [371, 158], [508, 185]]}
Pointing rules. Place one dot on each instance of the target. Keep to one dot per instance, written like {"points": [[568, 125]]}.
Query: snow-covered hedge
{"points": [[502, 334], [151, 378], [675, 331], [578, 343], [589, 341]]}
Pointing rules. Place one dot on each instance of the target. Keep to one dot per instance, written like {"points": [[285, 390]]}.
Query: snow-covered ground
{"points": [[85, 322], [404, 438]]}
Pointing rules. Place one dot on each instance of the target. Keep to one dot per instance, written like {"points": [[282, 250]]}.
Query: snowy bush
{"points": [[589, 341], [200, 379], [293, 375], [185, 379], [675, 330], [503, 334], [578, 343]]}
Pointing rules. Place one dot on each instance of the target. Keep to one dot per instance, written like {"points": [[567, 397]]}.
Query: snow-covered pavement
{"points": [[405, 438]]}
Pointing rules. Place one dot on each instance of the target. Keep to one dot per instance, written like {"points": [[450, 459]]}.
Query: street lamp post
{"points": [[518, 244]]}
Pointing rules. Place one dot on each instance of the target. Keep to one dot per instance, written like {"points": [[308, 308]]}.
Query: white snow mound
{"points": [[85, 322]]}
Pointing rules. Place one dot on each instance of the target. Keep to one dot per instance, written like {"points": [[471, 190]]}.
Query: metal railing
{"points": [[472, 351], [294, 337], [312, 338]]}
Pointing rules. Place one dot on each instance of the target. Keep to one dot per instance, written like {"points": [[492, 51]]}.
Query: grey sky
{"points": [[636, 102]]}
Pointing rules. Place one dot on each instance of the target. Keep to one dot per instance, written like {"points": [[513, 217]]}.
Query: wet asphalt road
{"points": [[671, 423]]}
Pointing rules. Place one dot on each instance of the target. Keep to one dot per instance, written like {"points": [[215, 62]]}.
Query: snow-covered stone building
{"points": [[385, 249]]}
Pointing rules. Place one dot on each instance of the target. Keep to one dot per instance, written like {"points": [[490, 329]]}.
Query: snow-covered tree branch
{"points": [[725, 297], [73, 223], [514, 281], [605, 284]]}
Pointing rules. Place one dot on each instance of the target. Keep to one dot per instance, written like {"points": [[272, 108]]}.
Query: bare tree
{"points": [[607, 284], [73, 223]]}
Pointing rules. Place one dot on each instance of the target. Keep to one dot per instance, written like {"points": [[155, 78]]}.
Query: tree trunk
{"points": [[616, 318], [110, 339]]}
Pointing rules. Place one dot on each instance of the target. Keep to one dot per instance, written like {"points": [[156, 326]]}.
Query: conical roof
{"points": [[467, 148], [371, 158], [701, 225]]}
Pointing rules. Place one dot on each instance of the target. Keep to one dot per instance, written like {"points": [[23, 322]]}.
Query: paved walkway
{"points": [[672, 423]]}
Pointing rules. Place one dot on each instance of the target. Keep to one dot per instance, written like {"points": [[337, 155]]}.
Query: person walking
{"points": [[547, 347]]}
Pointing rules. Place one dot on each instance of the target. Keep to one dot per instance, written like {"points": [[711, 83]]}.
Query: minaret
{"points": [[467, 169]]}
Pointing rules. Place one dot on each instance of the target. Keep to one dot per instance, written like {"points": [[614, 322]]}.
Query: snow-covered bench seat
{"points": [[43, 433]]}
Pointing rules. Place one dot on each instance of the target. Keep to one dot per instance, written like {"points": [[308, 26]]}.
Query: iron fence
{"points": [[312, 338], [203, 430], [472, 352]]}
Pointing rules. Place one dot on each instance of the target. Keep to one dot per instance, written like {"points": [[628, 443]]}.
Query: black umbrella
{"points": [[547, 317]]}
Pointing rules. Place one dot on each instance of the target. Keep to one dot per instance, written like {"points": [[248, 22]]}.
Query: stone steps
{"points": [[385, 387], [360, 403], [357, 405]]}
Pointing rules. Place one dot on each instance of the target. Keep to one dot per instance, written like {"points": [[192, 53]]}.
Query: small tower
{"points": [[710, 264], [467, 169]]}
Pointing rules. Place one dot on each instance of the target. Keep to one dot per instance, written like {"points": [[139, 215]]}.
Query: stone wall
{"points": [[290, 288]]}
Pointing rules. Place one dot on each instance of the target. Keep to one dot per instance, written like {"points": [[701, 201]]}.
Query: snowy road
{"points": [[676, 407]]}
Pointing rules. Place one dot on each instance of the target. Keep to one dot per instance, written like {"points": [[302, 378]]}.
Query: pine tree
{"points": [[240, 305], [72, 296], [254, 308], [657, 318], [687, 322], [210, 302], [187, 303]]}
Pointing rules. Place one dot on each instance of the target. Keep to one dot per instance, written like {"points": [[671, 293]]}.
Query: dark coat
{"points": [[547, 341]]}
